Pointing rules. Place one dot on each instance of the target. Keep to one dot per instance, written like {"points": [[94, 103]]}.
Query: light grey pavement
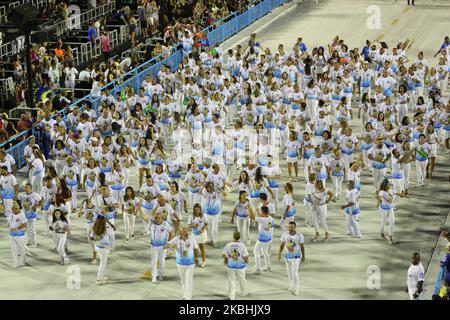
{"points": [[333, 270]]}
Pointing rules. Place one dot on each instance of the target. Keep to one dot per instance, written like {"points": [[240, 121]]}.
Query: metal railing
{"points": [[84, 18], [135, 77], [4, 8], [73, 22]]}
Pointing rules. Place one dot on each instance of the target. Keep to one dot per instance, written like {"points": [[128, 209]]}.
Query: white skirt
{"points": [[202, 238]]}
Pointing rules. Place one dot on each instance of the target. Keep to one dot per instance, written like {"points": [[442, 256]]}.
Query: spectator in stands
{"points": [[85, 75], [135, 53], [18, 71], [133, 25], [7, 125], [92, 33], [152, 10], [24, 123], [71, 74], [92, 4], [59, 51], [45, 68], [54, 74], [105, 46], [3, 135], [142, 17], [20, 92]]}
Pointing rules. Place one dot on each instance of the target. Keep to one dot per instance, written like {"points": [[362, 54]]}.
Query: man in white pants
{"points": [[160, 234], [265, 226], [236, 256], [186, 257], [18, 223], [30, 201], [416, 276], [379, 155], [352, 210], [293, 241]]}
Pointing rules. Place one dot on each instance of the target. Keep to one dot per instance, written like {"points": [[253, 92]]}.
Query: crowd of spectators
{"points": [[55, 75]]}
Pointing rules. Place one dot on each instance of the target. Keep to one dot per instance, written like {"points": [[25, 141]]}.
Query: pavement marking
{"points": [[277, 16], [394, 22], [406, 10], [380, 36], [410, 44]]}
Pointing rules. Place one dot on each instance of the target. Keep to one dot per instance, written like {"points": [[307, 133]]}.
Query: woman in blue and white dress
{"points": [[312, 92], [90, 176], [402, 102], [60, 155], [295, 99], [177, 132], [367, 137], [385, 203], [292, 154], [260, 184], [36, 167], [241, 211], [263, 151], [282, 121], [194, 181], [71, 176], [125, 158], [174, 166], [212, 208], [288, 209], [217, 145], [327, 145], [106, 159], [433, 139], [90, 212], [143, 152], [195, 121], [117, 182], [199, 226], [161, 178], [100, 235], [348, 82]]}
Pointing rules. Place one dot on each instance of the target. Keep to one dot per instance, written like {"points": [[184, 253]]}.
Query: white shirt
{"points": [[159, 234], [7, 184], [236, 252], [416, 273], [293, 242], [15, 221], [185, 250]]}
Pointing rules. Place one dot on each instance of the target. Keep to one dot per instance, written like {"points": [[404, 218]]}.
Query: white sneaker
{"points": [[203, 265], [93, 261], [160, 278], [256, 272], [347, 233], [296, 292], [268, 269], [291, 289]]}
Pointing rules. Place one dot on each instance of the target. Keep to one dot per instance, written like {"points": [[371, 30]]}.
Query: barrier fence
{"points": [[439, 281], [224, 29]]}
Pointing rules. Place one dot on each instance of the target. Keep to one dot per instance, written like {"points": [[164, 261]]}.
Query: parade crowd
{"points": [[229, 124]]}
